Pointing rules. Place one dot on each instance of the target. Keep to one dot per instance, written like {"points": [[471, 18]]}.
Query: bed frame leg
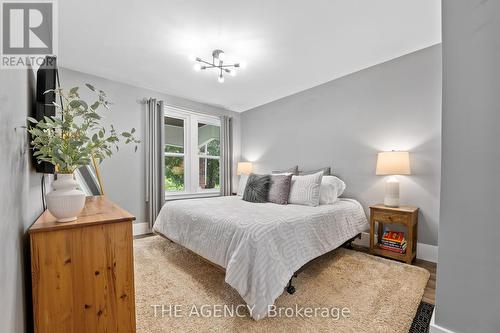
{"points": [[290, 288], [348, 244]]}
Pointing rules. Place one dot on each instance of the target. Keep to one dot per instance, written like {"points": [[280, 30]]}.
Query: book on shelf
{"points": [[397, 237], [392, 249], [393, 241], [395, 246]]}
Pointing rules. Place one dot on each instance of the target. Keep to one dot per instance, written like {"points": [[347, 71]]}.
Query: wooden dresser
{"points": [[83, 271]]}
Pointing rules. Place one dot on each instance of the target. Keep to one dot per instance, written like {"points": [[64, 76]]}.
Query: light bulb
{"points": [[192, 57], [197, 67], [220, 79], [243, 64], [222, 56], [232, 72]]}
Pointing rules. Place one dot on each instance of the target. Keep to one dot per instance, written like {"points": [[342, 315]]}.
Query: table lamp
{"points": [[244, 168], [392, 163]]}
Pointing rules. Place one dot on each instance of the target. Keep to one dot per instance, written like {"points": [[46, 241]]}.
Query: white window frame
{"points": [[178, 115], [191, 152]]}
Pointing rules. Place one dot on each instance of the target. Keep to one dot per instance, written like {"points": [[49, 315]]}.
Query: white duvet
{"points": [[261, 245]]}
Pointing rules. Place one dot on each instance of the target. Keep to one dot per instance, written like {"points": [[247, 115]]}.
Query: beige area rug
{"points": [[381, 295]]}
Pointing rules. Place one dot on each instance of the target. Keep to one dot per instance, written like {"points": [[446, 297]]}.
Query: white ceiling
{"points": [[289, 45]]}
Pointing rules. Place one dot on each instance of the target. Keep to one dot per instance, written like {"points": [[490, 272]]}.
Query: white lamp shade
{"points": [[244, 168], [393, 163]]}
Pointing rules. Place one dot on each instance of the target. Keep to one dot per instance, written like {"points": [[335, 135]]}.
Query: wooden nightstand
{"points": [[402, 215]]}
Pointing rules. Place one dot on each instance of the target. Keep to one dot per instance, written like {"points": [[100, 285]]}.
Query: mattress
{"points": [[260, 245]]}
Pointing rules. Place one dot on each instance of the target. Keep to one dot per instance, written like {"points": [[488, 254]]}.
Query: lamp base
{"points": [[391, 198]]}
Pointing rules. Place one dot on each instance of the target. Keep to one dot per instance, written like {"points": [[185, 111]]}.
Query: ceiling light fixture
{"points": [[218, 57]]}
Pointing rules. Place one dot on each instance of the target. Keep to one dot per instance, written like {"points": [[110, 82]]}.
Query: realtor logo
{"points": [[28, 32]]}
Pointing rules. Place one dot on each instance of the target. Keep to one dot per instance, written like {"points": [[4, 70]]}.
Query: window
{"points": [[192, 153], [174, 154], [209, 155]]}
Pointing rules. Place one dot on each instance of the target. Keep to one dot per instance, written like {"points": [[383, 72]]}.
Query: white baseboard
{"points": [[140, 228], [434, 328], [424, 251], [427, 252]]}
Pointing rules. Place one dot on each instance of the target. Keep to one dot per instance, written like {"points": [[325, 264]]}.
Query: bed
{"points": [[260, 245]]}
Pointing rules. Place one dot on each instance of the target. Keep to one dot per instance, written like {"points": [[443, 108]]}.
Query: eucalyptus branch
{"points": [[72, 142]]}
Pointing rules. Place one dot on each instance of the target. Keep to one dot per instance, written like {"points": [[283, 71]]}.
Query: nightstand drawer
{"points": [[389, 217]]}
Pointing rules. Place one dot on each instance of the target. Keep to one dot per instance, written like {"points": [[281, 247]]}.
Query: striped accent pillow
{"points": [[305, 190]]}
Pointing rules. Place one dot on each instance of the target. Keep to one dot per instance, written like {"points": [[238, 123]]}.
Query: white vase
{"points": [[66, 201]]}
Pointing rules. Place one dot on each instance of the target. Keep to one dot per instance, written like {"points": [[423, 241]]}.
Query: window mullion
{"points": [[194, 153], [187, 158], [187, 167], [175, 154]]}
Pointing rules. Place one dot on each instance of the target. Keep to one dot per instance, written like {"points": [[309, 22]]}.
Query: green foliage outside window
{"points": [[213, 174], [174, 167]]}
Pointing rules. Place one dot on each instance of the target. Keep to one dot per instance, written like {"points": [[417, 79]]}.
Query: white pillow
{"points": [[242, 184], [305, 190], [331, 188]]}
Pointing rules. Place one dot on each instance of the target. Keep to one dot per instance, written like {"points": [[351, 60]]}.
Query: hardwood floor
{"points": [[430, 289]]}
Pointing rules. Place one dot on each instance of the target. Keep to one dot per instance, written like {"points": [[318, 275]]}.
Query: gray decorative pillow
{"points": [[280, 189], [326, 171], [293, 170], [257, 188]]}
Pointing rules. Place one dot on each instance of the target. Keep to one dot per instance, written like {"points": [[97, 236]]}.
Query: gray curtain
{"points": [[226, 157], [155, 165]]}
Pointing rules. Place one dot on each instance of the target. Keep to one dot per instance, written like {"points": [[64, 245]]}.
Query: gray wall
{"points": [[345, 122], [20, 203], [468, 277], [123, 174]]}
